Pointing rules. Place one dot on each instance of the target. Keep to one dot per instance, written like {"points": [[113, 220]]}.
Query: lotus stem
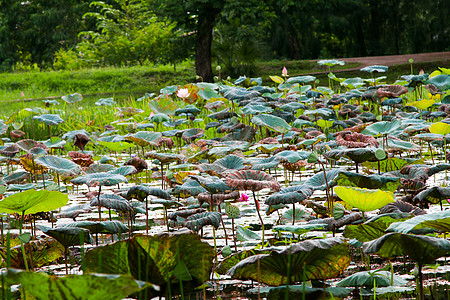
{"points": [[66, 254], [259, 215], [234, 235], [293, 213], [99, 204], [166, 219], [146, 215]]}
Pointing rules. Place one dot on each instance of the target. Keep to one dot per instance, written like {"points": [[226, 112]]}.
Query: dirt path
{"points": [[392, 60]]}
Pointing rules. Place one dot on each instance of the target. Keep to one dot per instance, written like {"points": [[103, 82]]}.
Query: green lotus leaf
{"points": [[375, 68], [144, 138], [364, 199], [55, 142], [254, 108], [188, 109], [231, 162], [330, 62], [140, 192], [99, 179], [3, 128], [400, 145], [86, 286], [17, 177], [291, 156], [378, 278], [301, 79], [207, 93], [442, 82], [420, 249], [124, 170], [49, 119], [32, 201], [440, 128], [246, 134], [391, 102], [212, 184], [70, 135], [72, 98], [357, 155], [59, 165], [273, 122], [265, 163], [289, 195], [325, 113], [68, 236], [300, 229], [383, 183], [299, 123], [114, 226], [197, 221], [116, 146], [353, 83], [22, 187], [154, 259], [433, 195], [371, 229], [311, 259], [240, 94], [235, 258], [392, 164], [99, 168], [382, 128], [438, 221], [190, 187], [192, 134], [246, 234], [112, 201], [422, 104], [317, 182], [105, 102]]}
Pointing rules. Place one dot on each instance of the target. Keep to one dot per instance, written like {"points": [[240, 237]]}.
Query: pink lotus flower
{"points": [[22, 94], [183, 93], [284, 72], [151, 114], [244, 197]]}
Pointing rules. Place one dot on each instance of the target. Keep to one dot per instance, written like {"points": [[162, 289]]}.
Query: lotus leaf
{"points": [[140, 192], [99, 168], [368, 181], [254, 108], [382, 128], [55, 142], [190, 187], [113, 227], [330, 62], [86, 286], [61, 166], [439, 221], [364, 199], [442, 82], [32, 201], [421, 249], [195, 222], [265, 163], [253, 180], [301, 79], [391, 164], [70, 135], [290, 195], [49, 119], [317, 182], [275, 123], [422, 104], [440, 128], [68, 236], [375, 68], [240, 94], [370, 279], [72, 98], [112, 201], [372, 229], [144, 138], [154, 258], [207, 93], [99, 179], [124, 170], [105, 102], [187, 110], [299, 229], [192, 134], [212, 184], [3, 128], [311, 259], [353, 83], [17, 177], [310, 293]]}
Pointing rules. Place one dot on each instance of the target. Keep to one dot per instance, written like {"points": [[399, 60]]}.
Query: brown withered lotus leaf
{"points": [[304, 117], [192, 134], [31, 166], [432, 89], [81, 159], [81, 140], [295, 166], [28, 144], [358, 128], [214, 105], [231, 128], [445, 108], [138, 163], [210, 169], [355, 140], [268, 140], [217, 199], [312, 134], [17, 134], [253, 180], [391, 91], [10, 151], [109, 127], [166, 141]]}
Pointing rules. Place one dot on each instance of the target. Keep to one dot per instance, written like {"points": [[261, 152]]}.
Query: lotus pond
{"points": [[232, 190]]}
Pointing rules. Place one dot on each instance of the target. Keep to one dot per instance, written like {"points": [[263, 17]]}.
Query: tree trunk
{"points": [[203, 42]]}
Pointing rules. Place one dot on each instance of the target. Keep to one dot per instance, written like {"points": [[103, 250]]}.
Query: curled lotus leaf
{"points": [[317, 182], [140, 192], [375, 68], [400, 206], [49, 119], [184, 213], [28, 163], [256, 108], [217, 199], [222, 115], [358, 155], [307, 260], [68, 236], [355, 140], [3, 128], [370, 278], [190, 187], [391, 91], [253, 180], [59, 165], [197, 221], [188, 110], [101, 227], [164, 158], [273, 122], [16, 134], [124, 170], [289, 195], [266, 163], [17, 177], [433, 195], [420, 249], [72, 98], [99, 168], [442, 82], [80, 140], [392, 101], [10, 151], [231, 162], [112, 201], [301, 79], [192, 134], [99, 179], [212, 184], [138, 163], [384, 183], [144, 138], [423, 224]]}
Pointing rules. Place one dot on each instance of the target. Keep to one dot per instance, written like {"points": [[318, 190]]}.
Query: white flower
{"points": [[183, 93]]}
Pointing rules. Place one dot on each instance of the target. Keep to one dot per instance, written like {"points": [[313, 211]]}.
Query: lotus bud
{"points": [[284, 72]]}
